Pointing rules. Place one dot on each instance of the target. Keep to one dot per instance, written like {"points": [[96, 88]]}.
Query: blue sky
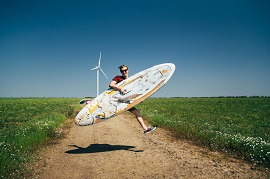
{"points": [[220, 48]]}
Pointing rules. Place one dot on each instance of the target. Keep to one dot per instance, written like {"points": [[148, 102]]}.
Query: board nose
{"points": [[76, 121]]}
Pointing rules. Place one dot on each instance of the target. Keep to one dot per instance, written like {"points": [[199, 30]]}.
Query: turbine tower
{"points": [[99, 68]]}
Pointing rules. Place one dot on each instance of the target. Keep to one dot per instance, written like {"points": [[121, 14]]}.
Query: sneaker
{"points": [[149, 129]]}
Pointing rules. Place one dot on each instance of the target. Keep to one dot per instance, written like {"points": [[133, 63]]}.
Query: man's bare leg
{"points": [[139, 118]]}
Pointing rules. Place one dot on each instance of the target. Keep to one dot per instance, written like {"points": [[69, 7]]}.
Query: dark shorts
{"points": [[132, 109], [135, 111]]}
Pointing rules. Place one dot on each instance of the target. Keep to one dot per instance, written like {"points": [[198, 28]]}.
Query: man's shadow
{"points": [[96, 148]]}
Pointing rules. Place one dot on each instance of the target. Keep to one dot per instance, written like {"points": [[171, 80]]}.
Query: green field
{"points": [[24, 125], [238, 126]]}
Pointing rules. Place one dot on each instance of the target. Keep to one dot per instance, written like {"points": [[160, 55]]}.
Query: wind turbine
{"points": [[99, 68]]}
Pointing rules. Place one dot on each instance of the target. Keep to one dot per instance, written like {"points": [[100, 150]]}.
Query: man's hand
{"points": [[122, 91]]}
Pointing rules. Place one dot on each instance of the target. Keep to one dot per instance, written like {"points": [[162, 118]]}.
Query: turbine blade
{"points": [[99, 59], [103, 72], [94, 68]]}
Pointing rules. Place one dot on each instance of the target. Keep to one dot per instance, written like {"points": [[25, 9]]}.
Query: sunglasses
{"points": [[123, 70]]}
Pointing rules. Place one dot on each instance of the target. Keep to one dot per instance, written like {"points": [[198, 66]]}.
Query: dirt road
{"points": [[118, 148]]}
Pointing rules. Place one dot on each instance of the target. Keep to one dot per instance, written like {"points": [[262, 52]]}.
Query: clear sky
{"points": [[220, 48]]}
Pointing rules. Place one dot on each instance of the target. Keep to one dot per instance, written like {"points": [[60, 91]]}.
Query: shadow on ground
{"points": [[96, 148]]}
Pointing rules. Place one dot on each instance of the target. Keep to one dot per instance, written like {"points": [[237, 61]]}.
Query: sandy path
{"points": [[118, 148]]}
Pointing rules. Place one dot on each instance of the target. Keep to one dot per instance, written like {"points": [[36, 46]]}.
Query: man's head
{"points": [[124, 70]]}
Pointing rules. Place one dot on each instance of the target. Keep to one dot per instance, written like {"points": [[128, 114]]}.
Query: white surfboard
{"points": [[138, 87]]}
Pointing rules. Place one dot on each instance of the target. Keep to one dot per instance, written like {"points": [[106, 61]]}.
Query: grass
{"points": [[239, 126], [24, 125]]}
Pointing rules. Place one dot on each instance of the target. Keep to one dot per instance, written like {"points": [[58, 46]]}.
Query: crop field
{"points": [[238, 126], [24, 125]]}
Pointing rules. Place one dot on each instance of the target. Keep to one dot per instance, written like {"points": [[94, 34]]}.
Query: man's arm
{"points": [[114, 86]]}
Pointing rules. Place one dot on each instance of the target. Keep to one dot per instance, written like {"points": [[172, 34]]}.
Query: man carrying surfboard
{"points": [[118, 79]]}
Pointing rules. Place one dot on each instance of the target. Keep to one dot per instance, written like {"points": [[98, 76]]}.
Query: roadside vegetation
{"points": [[25, 123], [238, 126]]}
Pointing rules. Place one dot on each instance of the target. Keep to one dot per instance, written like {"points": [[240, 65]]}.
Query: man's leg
{"points": [[138, 116]]}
